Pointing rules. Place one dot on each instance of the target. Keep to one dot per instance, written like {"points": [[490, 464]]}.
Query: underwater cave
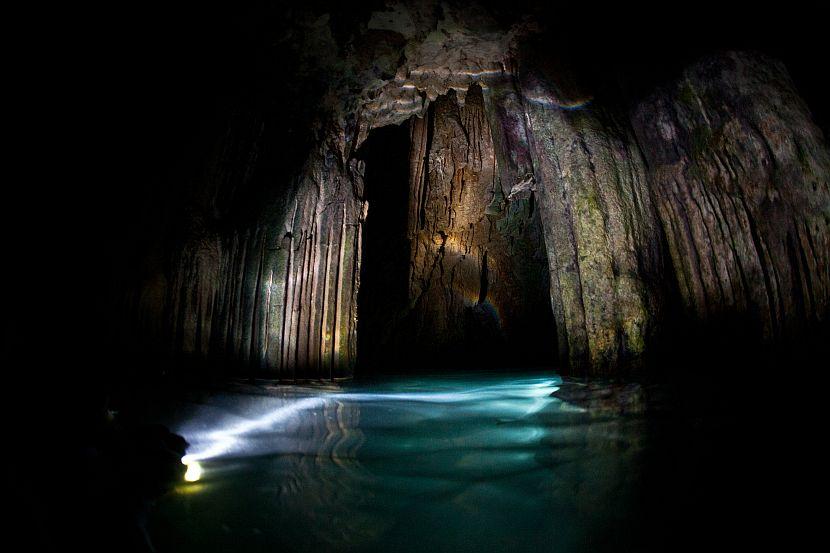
{"points": [[421, 275]]}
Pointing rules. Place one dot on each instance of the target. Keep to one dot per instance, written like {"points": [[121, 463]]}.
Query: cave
{"points": [[456, 276], [420, 275]]}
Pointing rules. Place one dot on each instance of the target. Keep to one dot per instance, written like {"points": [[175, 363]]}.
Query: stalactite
{"points": [[417, 161], [325, 365], [338, 291]]}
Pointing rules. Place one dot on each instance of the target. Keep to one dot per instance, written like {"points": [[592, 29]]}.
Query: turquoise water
{"points": [[483, 462]]}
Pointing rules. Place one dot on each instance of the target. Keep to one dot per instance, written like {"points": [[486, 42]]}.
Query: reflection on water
{"points": [[452, 463]]}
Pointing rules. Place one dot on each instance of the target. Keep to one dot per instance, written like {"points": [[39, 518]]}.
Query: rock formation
{"points": [[539, 221], [739, 175]]}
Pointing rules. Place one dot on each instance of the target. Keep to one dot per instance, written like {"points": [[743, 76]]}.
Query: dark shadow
{"points": [[384, 271]]}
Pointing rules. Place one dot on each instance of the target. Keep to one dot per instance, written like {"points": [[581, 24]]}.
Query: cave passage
{"points": [[385, 250], [443, 285]]}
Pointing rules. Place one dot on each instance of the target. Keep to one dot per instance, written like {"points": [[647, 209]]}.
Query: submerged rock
{"points": [[601, 397]]}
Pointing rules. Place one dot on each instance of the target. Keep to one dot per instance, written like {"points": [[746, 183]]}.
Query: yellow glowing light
{"points": [[194, 471]]}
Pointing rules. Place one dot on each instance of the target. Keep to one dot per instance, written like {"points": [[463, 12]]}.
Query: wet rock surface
{"points": [[603, 397]]}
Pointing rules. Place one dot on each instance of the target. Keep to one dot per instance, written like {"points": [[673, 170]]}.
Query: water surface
{"points": [[454, 463]]}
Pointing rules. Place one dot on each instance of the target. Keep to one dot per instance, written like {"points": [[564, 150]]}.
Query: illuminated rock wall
{"points": [[739, 174], [277, 298], [545, 228], [478, 270], [600, 228]]}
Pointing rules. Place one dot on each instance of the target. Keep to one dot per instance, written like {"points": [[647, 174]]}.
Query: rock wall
{"points": [[276, 298], [478, 272], [544, 228], [600, 228], [739, 175]]}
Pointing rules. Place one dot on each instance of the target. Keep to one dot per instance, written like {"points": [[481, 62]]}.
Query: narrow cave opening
{"points": [[444, 285], [384, 271]]}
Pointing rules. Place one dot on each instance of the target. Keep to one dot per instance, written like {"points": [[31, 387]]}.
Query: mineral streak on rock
{"points": [[711, 193]]}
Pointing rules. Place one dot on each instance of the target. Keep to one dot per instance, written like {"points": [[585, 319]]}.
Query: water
{"points": [[460, 463]]}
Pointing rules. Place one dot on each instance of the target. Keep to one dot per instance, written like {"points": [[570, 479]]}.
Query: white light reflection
{"points": [[227, 440], [444, 71], [193, 472], [513, 399], [546, 101]]}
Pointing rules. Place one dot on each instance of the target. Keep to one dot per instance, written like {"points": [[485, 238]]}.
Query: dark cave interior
{"points": [[637, 332], [385, 268]]}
